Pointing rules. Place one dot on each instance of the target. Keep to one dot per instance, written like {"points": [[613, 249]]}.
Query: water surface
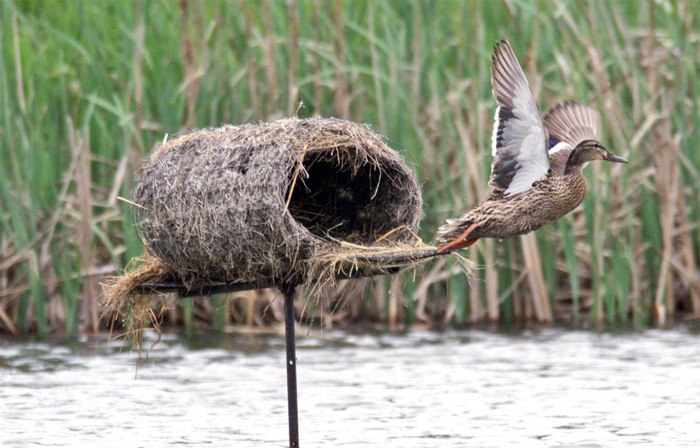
{"points": [[424, 389]]}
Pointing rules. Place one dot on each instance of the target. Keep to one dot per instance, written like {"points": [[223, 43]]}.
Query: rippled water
{"points": [[458, 389]]}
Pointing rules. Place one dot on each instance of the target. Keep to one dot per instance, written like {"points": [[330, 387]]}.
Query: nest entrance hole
{"points": [[343, 202]]}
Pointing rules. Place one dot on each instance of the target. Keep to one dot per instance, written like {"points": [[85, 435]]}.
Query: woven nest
{"points": [[295, 200]]}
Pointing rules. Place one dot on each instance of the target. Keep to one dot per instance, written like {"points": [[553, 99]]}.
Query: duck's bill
{"points": [[613, 158]]}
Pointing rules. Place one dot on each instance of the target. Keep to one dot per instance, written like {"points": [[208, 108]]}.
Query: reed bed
{"points": [[88, 89]]}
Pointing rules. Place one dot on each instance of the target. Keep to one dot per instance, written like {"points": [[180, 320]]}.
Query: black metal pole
{"points": [[289, 291]]}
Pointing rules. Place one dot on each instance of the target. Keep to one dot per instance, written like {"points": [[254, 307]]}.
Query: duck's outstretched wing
{"points": [[568, 125], [572, 122], [519, 140]]}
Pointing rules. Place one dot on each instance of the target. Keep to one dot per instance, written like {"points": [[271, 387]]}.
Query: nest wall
{"points": [[254, 202]]}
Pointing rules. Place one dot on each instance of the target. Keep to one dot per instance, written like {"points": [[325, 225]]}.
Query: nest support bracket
{"points": [[289, 291]]}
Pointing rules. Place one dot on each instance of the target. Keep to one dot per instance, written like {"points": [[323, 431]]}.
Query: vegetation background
{"points": [[88, 89]]}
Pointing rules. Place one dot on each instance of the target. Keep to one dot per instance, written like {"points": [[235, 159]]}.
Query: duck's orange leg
{"points": [[460, 242]]}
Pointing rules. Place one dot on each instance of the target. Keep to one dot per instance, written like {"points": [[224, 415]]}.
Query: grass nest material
{"points": [[295, 200]]}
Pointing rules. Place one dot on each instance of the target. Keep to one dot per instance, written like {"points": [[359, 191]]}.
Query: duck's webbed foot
{"points": [[460, 242]]}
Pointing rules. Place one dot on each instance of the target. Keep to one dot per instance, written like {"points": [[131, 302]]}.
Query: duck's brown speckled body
{"points": [[537, 168], [501, 217]]}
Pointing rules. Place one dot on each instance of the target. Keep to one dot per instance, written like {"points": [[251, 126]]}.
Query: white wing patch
{"points": [[559, 156], [560, 148]]}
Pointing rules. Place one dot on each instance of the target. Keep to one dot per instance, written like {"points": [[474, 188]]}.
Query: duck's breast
{"points": [[560, 194]]}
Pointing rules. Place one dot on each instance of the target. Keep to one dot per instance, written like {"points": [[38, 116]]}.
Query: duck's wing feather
{"points": [[568, 125], [519, 140], [572, 123]]}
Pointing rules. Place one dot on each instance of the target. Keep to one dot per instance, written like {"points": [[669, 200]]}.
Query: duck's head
{"points": [[587, 151]]}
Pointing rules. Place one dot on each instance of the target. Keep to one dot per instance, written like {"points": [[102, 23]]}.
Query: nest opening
{"points": [[333, 200]]}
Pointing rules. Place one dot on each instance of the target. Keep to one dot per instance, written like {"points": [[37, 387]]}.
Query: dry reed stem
{"points": [[6, 255], [677, 244], [475, 190], [341, 97], [189, 84], [316, 23], [269, 57], [378, 298], [476, 306], [416, 48], [19, 79], [375, 67], [293, 57], [139, 45], [396, 302], [91, 291], [491, 280], [436, 274], [252, 73], [538, 286], [7, 320]]}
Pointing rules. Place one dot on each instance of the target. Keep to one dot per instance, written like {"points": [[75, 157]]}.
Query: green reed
{"points": [[119, 75]]}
